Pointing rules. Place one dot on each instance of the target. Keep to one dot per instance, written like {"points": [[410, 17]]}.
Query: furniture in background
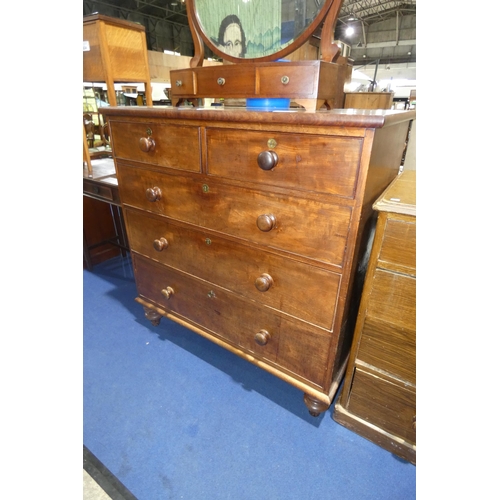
{"points": [[104, 234], [115, 51], [246, 226], [368, 100], [378, 399]]}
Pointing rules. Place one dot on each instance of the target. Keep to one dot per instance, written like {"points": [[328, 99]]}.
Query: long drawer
{"points": [[384, 403], [174, 146], [300, 290], [398, 251], [324, 165], [296, 225], [262, 332]]}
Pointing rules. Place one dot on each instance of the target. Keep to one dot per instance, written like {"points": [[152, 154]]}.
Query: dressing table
{"points": [[247, 226]]}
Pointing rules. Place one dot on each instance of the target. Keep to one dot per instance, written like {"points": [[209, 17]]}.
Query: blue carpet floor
{"points": [[173, 416]]}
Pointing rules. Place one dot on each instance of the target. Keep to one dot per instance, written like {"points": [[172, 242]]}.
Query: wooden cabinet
{"points": [[368, 100], [114, 50], [246, 227], [378, 400]]}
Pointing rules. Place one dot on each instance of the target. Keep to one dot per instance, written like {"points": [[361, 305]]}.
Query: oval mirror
{"points": [[251, 30]]}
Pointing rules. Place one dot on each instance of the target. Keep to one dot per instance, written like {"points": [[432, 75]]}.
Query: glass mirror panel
{"points": [[255, 28]]}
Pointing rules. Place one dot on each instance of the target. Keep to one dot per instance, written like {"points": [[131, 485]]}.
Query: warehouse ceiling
{"points": [[384, 30]]}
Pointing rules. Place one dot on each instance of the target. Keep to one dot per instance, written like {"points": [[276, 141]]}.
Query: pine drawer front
{"points": [[398, 251], [388, 340], [293, 288], [299, 350], [384, 403], [308, 228], [325, 164], [173, 146]]}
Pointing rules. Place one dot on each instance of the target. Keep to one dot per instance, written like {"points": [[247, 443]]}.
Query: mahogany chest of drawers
{"points": [[246, 227], [378, 399]]}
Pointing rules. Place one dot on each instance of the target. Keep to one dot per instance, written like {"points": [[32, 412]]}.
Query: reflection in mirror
{"points": [[255, 28]]}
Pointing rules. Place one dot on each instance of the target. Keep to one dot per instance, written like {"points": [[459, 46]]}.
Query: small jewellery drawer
{"points": [[183, 82], [301, 227], [267, 335], [398, 250], [322, 164], [384, 403], [227, 81], [388, 340], [174, 146], [286, 79], [294, 288]]}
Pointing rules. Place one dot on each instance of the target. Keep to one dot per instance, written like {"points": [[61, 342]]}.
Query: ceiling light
{"points": [[349, 31]]}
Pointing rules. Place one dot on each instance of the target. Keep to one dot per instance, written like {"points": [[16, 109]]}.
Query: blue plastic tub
{"points": [[267, 104]]}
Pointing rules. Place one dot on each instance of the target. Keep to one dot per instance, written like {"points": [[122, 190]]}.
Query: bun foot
{"points": [[153, 316], [315, 406]]}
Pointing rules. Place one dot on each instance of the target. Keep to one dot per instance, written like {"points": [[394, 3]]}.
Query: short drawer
{"points": [[183, 82], [173, 146], [399, 244], [322, 164], [295, 225], [384, 403], [268, 336], [388, 339], [227, 81], [286, 79], [98, 190], [294, 288]]}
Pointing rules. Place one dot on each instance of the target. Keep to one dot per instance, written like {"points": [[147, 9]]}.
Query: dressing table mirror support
{"points": [[311, 84]]}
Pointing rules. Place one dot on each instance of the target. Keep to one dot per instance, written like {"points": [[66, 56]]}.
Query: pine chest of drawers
{"points": [[378, 400], [246, 227]]}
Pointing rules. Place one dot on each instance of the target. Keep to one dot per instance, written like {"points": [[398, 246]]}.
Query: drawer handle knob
{"points": [[266, 222], [285, 80], [153, 194], [160, 244], [147, 144], [267, 160], [221, 81], [178, 83], [262, 337], [264, 282], [167, 292]]}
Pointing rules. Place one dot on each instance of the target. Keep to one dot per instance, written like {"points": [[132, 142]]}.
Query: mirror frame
{"points": [[199, 36]]}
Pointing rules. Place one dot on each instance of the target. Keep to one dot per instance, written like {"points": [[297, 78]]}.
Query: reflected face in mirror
{"points": [[232, 37]]}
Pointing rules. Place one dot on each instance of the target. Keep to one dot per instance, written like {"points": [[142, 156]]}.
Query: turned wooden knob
{"points": [[267, 160], [153, 194], [264, 282], [266, 222], [262, 337], [167, 292], [147, 144], [160, 244]]}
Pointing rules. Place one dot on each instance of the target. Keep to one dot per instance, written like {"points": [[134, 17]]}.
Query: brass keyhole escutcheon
{"points": [[208, 241], [271, 143], [211, 294], [285, 80], [149, 131], [205, 188], [178, 83]]}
